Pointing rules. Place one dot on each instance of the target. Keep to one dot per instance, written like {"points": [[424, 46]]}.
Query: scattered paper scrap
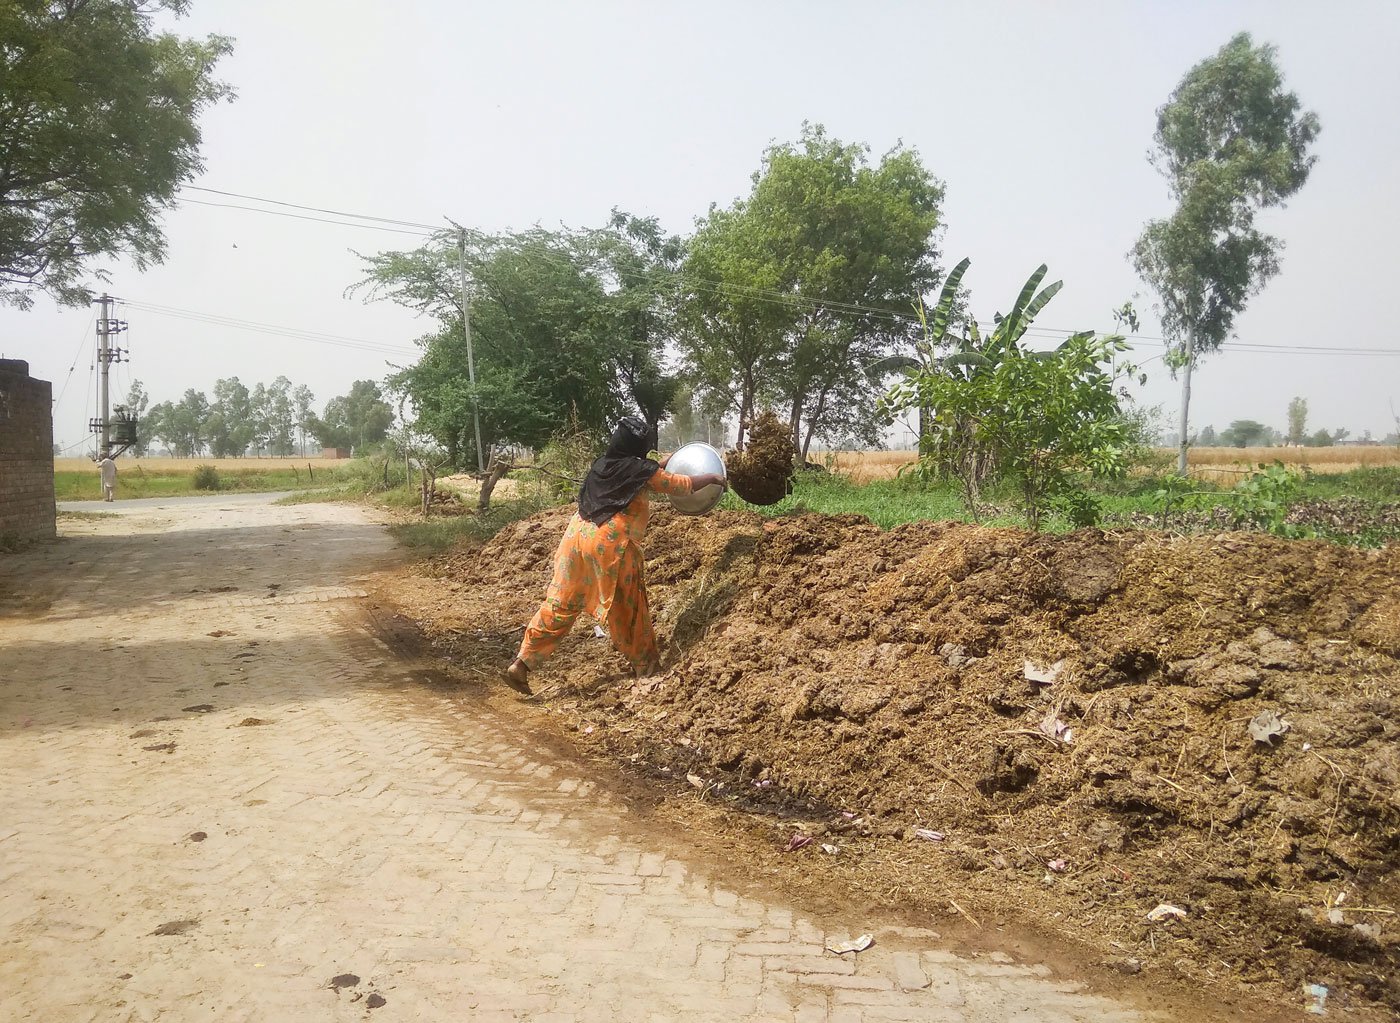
{"points": [[928, 834], [1043, 676], [1267, 726], [1052, 727], [1165, 912], [830, 850], [855, 945]]}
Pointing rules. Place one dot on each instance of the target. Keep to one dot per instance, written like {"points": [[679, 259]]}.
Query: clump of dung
{"points": [[762, 473]]}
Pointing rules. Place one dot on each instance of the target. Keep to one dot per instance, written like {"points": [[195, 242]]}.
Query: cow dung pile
{"points": [[762, 473], [1073, 730]]}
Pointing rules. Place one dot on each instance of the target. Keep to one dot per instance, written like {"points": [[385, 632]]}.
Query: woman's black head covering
{"points": [[619, 476]]}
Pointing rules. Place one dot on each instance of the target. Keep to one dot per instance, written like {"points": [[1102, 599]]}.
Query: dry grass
{"points": [[166, 466], [1216, 465], [1340, 458], [1226, 465], [864, 466]]}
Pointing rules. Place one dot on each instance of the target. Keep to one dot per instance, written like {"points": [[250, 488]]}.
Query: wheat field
{"points": [[167, 466], [1216, 465]]}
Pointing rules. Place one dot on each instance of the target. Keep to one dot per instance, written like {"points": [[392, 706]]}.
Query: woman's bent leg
{"points": [[629, 626], [550, 625], [563, 602]]}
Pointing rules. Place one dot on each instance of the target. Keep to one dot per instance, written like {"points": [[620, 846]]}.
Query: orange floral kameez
{"points": [[601, 570]]}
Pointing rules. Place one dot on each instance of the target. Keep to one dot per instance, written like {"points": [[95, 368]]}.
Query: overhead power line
{"points": [[82, 344], [276, 330], [744, 291], [299, 216], [312, 209]]}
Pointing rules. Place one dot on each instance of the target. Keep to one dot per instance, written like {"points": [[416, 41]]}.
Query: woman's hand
{"points": [[664, 459], [706, 479]]}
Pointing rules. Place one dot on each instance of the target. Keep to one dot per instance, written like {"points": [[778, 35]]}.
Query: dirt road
{"points": [[224, 797]]}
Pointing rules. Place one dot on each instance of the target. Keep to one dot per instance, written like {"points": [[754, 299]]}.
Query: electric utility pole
{"points": [[467, 330], [107, 353]]}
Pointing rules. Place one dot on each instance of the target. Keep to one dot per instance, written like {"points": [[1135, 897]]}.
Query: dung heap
{"points": [[1071, 730], [762, 473]]}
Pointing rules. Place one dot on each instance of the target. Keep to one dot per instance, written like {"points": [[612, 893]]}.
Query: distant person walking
{"points": [[109, 478]]}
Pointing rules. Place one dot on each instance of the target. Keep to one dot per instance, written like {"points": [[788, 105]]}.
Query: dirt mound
{"points": [[762, 473], [1060, 728]]}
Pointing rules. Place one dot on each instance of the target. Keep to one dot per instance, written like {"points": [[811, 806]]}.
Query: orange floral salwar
{"points": [[601, 570]]}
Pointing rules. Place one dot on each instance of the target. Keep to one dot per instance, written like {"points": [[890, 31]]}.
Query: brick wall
{"points": [[26, 453]]}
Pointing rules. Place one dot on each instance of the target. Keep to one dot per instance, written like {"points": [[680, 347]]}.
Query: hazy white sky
{"points": [[1036, 115]]}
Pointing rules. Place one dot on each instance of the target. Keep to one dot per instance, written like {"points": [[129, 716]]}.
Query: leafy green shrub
{"points": [[1046, 419], [1261, 500], [206, 477], [1173, 492], [1081, 508], [995, 408]]}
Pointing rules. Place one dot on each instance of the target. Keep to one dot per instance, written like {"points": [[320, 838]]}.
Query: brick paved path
{"points": [[213, 801]]}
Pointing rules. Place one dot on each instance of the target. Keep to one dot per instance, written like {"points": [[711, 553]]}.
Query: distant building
{"points": [[335, 452]]}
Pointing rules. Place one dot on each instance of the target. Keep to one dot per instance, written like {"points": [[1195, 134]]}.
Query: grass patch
{"points": [[437, 534], [397, 498], [86, 516], [139, 481], [363, 481], [887, 503], [1375, 490]]}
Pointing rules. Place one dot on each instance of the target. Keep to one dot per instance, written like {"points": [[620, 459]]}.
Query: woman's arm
{"points": [[706, 479], [675, 484]]}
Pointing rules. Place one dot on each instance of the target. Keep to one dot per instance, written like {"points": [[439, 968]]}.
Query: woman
{"points": [[599, 567]]}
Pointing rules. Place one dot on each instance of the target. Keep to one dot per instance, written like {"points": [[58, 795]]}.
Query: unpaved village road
{"points": [[224, 797]]}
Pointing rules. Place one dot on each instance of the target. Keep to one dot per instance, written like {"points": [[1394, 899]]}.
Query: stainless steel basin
{"points": [[694, 460]]}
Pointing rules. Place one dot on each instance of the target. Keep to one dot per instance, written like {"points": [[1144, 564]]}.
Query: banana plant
{"points": [[965, 356], [926, 358], [972, 354]]}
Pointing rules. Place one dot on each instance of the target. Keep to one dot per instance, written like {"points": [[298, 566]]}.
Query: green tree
{"points": [[1245, 433], [640, 270], [98, 131], [1047, 419], [259, 418], [544, 335], [939, 333], [1207, 437], [229, 427], [136, 404], [180, 426], [1297, 420], [280, 415], [154, 427], [356, 420], [732, 329], [302, 415], [789, 289], [1230, 142]]}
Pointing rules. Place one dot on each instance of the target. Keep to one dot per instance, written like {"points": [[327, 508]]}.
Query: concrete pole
{"points": [[467, 330], [104, 365]]}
